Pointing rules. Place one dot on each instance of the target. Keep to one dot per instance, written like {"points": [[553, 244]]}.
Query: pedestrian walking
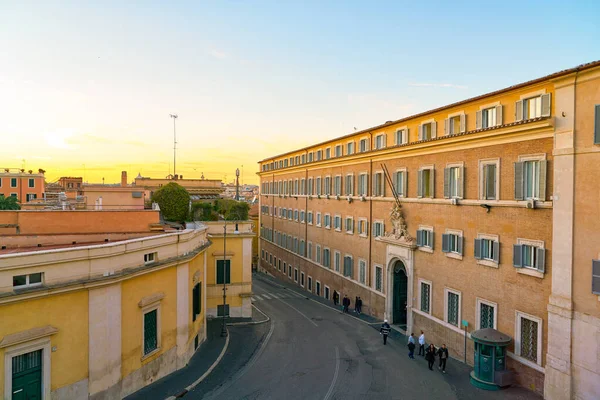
{"points": [[346, 303], [385, 330], [359, 305], [411, 346], [430, 356], [356, 310], [443, 355], [336, 298], [422, 344]]}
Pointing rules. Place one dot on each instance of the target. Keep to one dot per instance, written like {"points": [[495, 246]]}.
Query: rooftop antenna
{"points": [[174, 116]]}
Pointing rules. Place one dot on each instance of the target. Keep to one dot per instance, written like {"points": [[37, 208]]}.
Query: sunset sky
{"points": [[89, 89]]}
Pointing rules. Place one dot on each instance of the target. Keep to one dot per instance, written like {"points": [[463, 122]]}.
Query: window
{"points": [[302, 216], [31, 182], [348, 266], [338, 150], [487, 248], [224, 271], [337, 185], [327, 220], [318, 253], [453, 182], [309, 286], [596, 277], [425, 296], [337, 261], [425, 238], [337, 223], [399, 180], [349, 185], [309, 218], [150, 331], [196, 301], [296, 160], [303, 186], [270, 260], [295, 187], [455, 124], [427, 131], [362, 271], [30, 280], [311, 189], [303, 158], [310, 156], [279, 264], [378, 184], [295, 275], [328, 153], [529, 254], [401, 136], [289, 213], [363, 185], [533, 107], [327, 186], [530, 178], [452, 242], [363, 227], [13, 182], [309, 251], [486, 314], [452, 307], [349, 225], [380, 141], [150, 257], [528, 338], [318, 288], [350, 148], [302, 248], [319, 155], [285, 163], [289, 271], [378, 228], [31, 196], [379, 279], [296, 215], [363, 145], [302, 279], [425, 182], [284, 267], [489, 117], [326, 258], [488, 179], [318, 185]]}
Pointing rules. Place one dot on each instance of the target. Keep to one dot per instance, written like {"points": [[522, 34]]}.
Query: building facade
{"points": [[199, 189], [471, 243], [24, 185]]}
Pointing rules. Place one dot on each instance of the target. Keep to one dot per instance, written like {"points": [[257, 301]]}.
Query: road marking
{"points": [[299, 312], [273, 295], [258, 297], [266, 297], [335, 374]]}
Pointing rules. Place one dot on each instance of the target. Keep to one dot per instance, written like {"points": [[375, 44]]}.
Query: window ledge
{"points": [[426, 249], [153, 298], [152, 353], [27, 336], [526, 362], [530, 272], [456, 256], [363, 236], [488, 263], [338, 230]]}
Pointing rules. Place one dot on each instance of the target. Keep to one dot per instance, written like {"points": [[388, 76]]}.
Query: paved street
{"points": [[312, 351]]}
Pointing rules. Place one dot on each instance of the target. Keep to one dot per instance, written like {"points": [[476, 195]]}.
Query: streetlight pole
{"points": [[174, 116], [224, 325]]}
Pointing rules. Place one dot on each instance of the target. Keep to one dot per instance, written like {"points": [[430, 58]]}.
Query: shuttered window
{"points": [[527, 256], [486, 249], [327, 258], [452, 243], [378, 228], [425, 182], [489, 182], [196, 301], [530, 180], [150, 331], [425, 238], [428, 131], [378, 184], [363, 185], [401, 136], [399, 180], [596, 277], [533, 107], [224, 271], [362, 271], [350, 148], [337, 186], [454, 182], [349, 185], [380, 141], [489, 117], [327, 186], [455, 125], [337, 261], [348, 266], [349, 225]]}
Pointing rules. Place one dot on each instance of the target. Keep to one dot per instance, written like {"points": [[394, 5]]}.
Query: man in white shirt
{"points": [[422, 344]]}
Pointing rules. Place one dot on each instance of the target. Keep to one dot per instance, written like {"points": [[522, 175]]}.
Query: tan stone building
{"points": [[486, 188]]}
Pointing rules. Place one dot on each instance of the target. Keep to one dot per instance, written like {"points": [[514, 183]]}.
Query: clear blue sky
{"points": [[94, 85]]}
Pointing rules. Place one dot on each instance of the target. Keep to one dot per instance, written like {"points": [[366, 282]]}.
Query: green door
{"points": [[400, 293], [27, 376]]}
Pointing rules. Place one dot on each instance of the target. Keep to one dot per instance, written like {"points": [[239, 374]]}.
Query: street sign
{"points": [[465, 323]]}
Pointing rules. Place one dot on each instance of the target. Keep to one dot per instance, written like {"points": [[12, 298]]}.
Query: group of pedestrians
{"points": [[346, 303], [429, 352]]}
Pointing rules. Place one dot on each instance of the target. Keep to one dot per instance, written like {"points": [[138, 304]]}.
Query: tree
{"points": [[9, 203], [232, 210], [173, 201], [204, 212]]}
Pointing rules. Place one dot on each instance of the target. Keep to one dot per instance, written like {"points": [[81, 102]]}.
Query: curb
{"points": [[267, 319], [197, 382]]}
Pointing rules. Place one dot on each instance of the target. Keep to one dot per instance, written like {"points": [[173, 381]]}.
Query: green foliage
{"points": [[173, 201], [9, 203], [204, 212], [232, 210]]}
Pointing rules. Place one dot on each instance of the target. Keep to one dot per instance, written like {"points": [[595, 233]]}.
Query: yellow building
{"points": [[103, 321]]}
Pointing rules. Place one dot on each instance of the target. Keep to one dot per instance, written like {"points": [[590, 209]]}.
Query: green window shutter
{"points": [[546, 104], [150, 328], [542, 165], [419, 238], [478, 123], [228, 272], [404, 183], [459, 245], [195, 302], [519, 180], [477, 249], [596, 276], [540, 262], [220, 272], [446, 183], [431, 238], [519, 111], [432, 183], [496, 250], [420, 183], [597, 124], [445, 243], [517, 256]]}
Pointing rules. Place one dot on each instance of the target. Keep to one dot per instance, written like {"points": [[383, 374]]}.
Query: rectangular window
{"points": [[533, 107], [327, 221], [296, 215], [363, 227], [529, 338], [425, 297], [349, 185], [30, 280], [427, 131], [13, 182], [309, 284], [425, 182], [150, 331], [318, 185], [303, 186], [380, 141], [453, 308], [196, 301], [337, 186], [310, 157], [296, 275], [348, 266], [290, 271], [303, 158], [487, 315], [224, 271], [310, 218], [378, 228], [452, 243], [349, 225], [318, 219], [596, 277], [453, 182], [150, 257], [327, 186], [311, 189], [328, 153], [363, 185], [378, 184], [318, 253], [302, 216], [379, 279], [363, 145], [529, 256], [289, 213], [455, 125], [326, 258], [401, 136], [425, 238], [530, 180], [302, 248], [338, 150], [337, 261], [319, 155], [284, 267], [31, 182], [337, 223], [400, 183], [350, 148], [362, 271], [487, 249], [489, 117], [309, 251], [302, 279], [488, 181]]}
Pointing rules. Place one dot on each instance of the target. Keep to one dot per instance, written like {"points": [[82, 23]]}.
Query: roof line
{"points": [[482, 96]]}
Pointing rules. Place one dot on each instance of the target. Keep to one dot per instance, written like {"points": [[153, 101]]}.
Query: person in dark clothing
{"points": [[430, 356], [336, 298], [443, 355], [346, 303], [356, 305], [359, 305], [385, 330]]}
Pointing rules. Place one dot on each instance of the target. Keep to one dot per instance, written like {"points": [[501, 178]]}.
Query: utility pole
{"points": [[237, 184], [174, 116]]}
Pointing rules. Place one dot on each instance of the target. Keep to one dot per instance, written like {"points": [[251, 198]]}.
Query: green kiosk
{"points": [[490, 371]]}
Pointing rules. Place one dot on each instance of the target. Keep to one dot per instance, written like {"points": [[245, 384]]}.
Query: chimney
{"points": [[123, 178]]}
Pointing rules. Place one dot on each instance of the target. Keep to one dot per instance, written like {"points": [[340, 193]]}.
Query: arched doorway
{"points": [[400, 294]]}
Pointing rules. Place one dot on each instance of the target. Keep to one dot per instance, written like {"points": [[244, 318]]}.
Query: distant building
{"points": [[25, 186], [113, 196], [199, 189]]}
